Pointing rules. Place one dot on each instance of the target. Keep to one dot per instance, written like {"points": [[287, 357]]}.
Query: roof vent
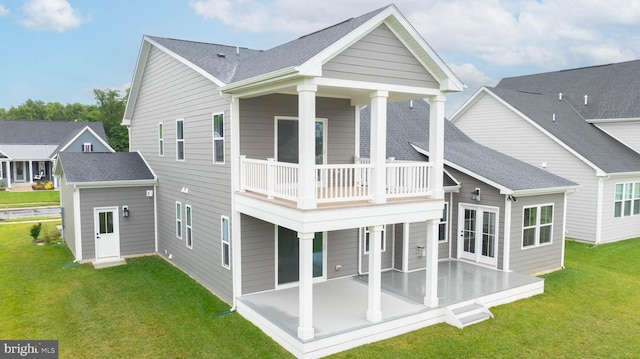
{"points": [[220, 54], [560, 96], [585, 99], [553, 118], [411, 104]]}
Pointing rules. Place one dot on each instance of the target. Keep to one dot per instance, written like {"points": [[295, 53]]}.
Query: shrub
{"points": [[51, 237], [35, 230], [48, 185]]}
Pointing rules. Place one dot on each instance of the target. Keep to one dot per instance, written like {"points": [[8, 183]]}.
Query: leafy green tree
{"points": [[109, 111]]}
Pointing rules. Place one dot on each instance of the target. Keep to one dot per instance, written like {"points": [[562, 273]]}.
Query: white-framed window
{"points": [[180, 140], [189, 227], [218, 138], [627, 199], [179, 220], [161, 139], [87, 147], [225, 242], [444, 226], [537, 225], [365, 239]]}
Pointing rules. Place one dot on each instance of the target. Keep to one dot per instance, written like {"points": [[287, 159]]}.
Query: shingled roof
{"points": [[33, 132], [91, 167], [408, 126]]}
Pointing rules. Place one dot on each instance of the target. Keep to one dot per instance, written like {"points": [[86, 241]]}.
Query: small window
{"points": [[627, 199], [87, 147], [537, 226], [160, 140], [179, 220], [442, 231], [218, 138], [383, 244], [189, 233], [180, 140], [226, 245]]}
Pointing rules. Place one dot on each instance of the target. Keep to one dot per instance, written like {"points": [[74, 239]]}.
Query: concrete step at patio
{"points": [[467, 313]]}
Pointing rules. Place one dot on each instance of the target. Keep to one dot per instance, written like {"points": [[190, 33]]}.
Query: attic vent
{"points": [[220, 54], [560, 96], [586, 99]]}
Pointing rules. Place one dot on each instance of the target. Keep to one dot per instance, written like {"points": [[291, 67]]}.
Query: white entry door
{"points": [[107, 233], [478, 233]]}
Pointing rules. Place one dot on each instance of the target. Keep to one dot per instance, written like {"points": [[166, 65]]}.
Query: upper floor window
{"points": [[218, 138], [189, 232], [627, 199], [87, 147], [160, 139], [180, 140], [537, 226]]}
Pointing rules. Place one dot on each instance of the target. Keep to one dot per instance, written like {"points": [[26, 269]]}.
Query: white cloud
{"points": [[56, 15], [471, 76], [3, 10]]}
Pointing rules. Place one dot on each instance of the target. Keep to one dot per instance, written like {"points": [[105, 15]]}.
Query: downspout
{"points": [[449, 223], [77, 223], [155, 216], [564, 228]]}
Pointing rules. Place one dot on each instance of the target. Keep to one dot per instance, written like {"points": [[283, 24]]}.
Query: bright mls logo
{"points": [[36, 349]]}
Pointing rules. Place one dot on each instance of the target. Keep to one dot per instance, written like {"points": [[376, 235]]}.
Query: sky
{"points": [[60, 50]]}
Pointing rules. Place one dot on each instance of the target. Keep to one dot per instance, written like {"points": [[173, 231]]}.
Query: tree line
{"points": [[109, 109]]}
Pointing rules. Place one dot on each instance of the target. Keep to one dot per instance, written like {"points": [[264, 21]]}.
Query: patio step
{"points": [[467, 313]]}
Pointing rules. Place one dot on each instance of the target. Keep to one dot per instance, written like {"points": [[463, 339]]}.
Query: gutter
{"points": [[258, 80]]}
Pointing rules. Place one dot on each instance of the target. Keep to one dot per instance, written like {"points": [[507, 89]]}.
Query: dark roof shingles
{"points": [[83, 167]]}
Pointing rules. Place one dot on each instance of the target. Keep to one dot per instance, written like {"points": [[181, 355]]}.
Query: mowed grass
{"points": [[591, 309], [29, 199], [145, 309]]}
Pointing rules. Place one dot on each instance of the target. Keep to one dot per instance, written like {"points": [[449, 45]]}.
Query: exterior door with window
{"points": [[19, 171], [288, 256], [478, 233], [107, 233]]}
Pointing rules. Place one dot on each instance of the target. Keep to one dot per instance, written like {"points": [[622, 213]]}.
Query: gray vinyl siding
{"points": [[86, 137], [379, 57], [257, 125], [533, 260], [398, 233], [625, 132], [68, 225], [418, 237], [136, 232], [494, 125], [489, 196], [258, 255], [170, 90], [342, 249], [616, 229]]}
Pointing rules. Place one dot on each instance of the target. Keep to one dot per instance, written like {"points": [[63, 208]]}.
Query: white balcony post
{"points": [[436, 144], [271, 177], [378, 147], [305, 326], [431, 283], [307, 145], [374, 311], [243, 174]]}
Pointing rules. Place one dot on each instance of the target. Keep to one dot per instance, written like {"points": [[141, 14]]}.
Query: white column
{"points": [[8, 175], [431, 282], [436, 144], [305, 326], [374, 311], [30, 172], [307, 145], [378, 145]]}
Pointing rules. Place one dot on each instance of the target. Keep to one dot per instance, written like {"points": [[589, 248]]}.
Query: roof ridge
{"points": [[200, 42]]}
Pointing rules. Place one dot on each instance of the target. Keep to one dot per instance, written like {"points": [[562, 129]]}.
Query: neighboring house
{"points": [[262, 198], [108, 202], [503, 213], [582, 124], [28, 149]]}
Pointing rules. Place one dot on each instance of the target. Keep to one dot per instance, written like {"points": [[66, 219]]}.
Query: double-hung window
{"points": [[160, 139], [225, 242], [383, 245], [627, 199], [180, 140], [218, 138], [179, 220], [537, 226], [442, 230], [189, 229]]}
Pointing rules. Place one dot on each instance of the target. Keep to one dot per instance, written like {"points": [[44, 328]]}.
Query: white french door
{"points": [[478, 233], [288, 257]]}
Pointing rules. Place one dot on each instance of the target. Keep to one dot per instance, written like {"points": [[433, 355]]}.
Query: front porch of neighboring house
{"points": [[21, 174], [340, 305]]}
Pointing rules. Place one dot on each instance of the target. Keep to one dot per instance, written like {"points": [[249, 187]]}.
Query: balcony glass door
{"points": [[287, 140]]}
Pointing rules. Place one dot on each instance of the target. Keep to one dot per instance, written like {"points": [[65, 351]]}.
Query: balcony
{"points": [[336, 182]]}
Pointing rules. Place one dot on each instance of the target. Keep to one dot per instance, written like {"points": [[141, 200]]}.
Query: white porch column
{"points": [[378, 147], [8, 175], [436, 144], [374, 311], [307, 145], [30, 172], [305, 326], [431, 283]]}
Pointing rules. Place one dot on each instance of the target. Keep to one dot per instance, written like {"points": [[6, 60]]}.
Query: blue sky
{"points": [[60, 50]]}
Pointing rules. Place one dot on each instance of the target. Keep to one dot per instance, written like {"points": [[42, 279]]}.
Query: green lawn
{"points": [[148, 308], [29, 199]]}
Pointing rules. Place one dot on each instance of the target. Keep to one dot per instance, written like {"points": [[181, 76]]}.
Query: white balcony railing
{"points": [[334, 183]]}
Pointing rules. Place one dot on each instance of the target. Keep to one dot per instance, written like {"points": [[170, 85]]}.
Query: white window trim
{"points": [[224, 243], [188, 213], [178, 140], [87, 147], [325, 124], [446, 224], [537, 243], [214, 138], [161, 139], [364, 231], [623, 200], [178, 220]]}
